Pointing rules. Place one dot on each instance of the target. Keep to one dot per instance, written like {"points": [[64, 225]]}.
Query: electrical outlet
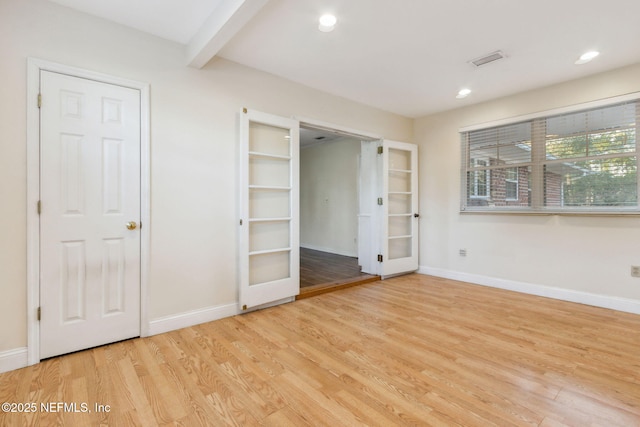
{"points": [[463, 252], [635, 271]]}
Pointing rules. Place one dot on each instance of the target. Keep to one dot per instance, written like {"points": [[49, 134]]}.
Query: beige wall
{"points": [[329, 196], [193, 149], [583, 254]]}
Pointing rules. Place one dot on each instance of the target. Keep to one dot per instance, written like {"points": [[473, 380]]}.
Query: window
{"points": [[581, 161], [511, 183], [499, 156], [480, 179]]}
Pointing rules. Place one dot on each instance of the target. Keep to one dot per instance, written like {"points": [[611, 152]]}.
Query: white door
{"points": [[400, 208], [269, 224], [90, 213], [368, 209]]}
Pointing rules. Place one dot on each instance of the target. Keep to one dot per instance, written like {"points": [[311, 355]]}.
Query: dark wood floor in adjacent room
{"points": [[408, 351], [318, 267]]}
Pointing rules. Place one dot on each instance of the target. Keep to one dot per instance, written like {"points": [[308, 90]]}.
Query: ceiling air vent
{"points": [[487, 59]]}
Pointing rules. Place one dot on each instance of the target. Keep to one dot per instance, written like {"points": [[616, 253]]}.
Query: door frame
{"points": [[34, 67], [373, 216]]}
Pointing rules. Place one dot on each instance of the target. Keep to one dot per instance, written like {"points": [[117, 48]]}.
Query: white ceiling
{"points": [[170, 19], [407, 56], [311, 137]]}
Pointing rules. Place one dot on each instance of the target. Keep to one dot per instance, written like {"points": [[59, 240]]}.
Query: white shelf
{"points": [[283, 219], [269, 188], [270, 251], [400, 237], [268, 156]]}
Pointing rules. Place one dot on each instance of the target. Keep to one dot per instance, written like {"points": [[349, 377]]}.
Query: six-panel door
{"points": [[89, 224]]}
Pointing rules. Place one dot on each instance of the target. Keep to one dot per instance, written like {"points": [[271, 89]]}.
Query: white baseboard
{"points": [[615, 303], [17, 358], [191, 318], [13, 359], [329, 250]]}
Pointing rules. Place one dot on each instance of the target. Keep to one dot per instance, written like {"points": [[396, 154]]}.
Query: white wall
{"points": [[194, 157], [329, 196], [193, 150], [580, 257]]}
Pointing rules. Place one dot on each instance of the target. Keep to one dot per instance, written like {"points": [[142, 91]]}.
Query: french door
{"points": [[269, 221], [400, 216]]}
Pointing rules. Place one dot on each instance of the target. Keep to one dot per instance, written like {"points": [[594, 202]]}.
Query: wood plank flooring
{"points": [[412, 350], [321, 268]]}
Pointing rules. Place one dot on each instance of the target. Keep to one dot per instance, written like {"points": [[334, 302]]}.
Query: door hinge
{"points": [[244, 110], [244, 307], [39, 207], [380, 149], [240, 222], [380, 258], [39, 100], [39, 313], [380, 201]]}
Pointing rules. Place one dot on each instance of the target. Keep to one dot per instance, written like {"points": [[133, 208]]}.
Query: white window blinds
{"points": [[579, 161]]}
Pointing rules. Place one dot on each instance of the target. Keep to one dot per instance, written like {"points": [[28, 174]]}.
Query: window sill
{"points": [[634, 213]]}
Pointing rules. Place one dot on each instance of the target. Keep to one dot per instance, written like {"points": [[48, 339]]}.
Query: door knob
{"points": [[132, 225]]}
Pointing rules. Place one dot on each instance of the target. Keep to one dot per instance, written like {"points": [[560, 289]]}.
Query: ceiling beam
{"points": [[226, 21]]}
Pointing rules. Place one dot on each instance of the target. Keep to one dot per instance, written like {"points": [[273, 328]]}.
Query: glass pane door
{"points": [[400, 182], [269, 224]]}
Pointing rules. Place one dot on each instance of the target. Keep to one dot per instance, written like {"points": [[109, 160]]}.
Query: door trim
{"points": [[34, 66], [373, 218], [307, 122]]}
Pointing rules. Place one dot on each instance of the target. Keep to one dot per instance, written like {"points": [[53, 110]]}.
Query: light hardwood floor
{"points": [[413, 350]]}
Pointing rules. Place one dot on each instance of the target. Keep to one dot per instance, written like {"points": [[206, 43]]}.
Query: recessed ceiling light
{"points": [[586, 57], [327, 23], [463, 93]]}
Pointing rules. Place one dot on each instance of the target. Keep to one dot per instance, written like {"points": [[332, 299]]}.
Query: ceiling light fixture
{"points": [[586, 57], [463, 93], [327, 23]]}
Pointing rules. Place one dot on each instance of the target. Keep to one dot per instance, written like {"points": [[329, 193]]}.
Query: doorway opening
{"points": [[329, 211]]}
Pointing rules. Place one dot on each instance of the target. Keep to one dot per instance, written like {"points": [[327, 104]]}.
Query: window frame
{"points": [[536, 177], [487, 180], [515, 181]]}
